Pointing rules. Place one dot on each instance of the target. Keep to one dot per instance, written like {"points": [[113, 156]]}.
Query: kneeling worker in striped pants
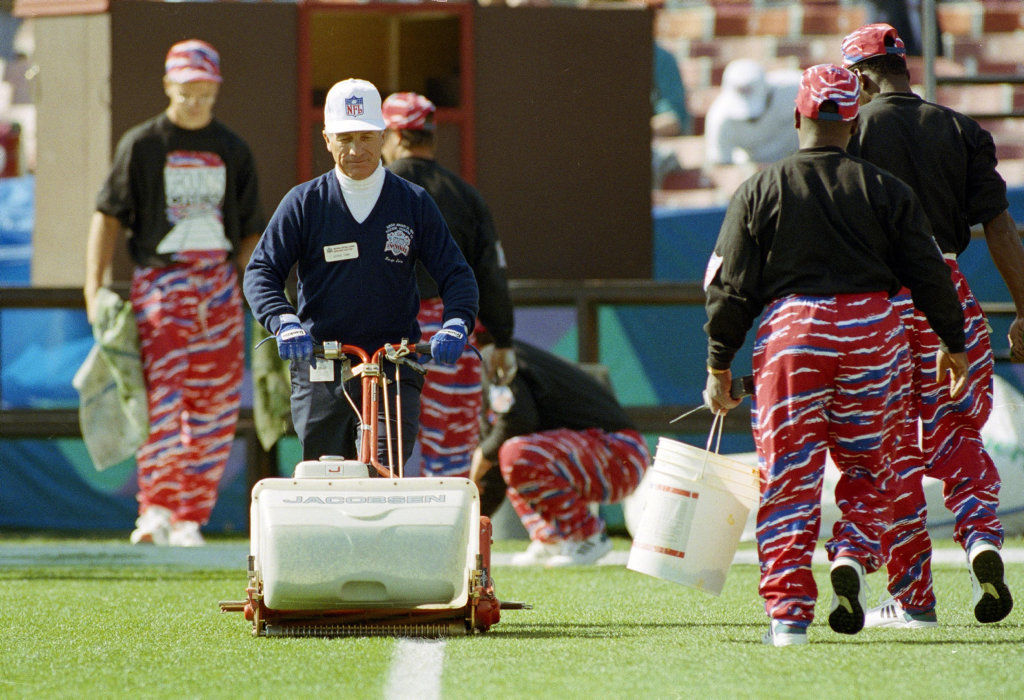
{"points": [[562, 442]]}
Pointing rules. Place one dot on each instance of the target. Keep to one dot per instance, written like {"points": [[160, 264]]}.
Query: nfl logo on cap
{"points": [[353, 105]]}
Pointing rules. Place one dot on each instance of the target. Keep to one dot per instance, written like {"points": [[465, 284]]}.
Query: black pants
{"points": [[327, 425]]}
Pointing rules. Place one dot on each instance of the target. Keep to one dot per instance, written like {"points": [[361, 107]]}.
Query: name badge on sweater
{"points": [[342, 251], [321, 370]]}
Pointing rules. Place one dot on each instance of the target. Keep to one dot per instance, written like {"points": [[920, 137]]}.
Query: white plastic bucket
{"points": [[695, 505]]}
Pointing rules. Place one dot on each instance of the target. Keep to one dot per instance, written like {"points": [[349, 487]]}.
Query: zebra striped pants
{"points": [[951, 451], [191, 338], [553, 476], [450, 404], [831, 373]]}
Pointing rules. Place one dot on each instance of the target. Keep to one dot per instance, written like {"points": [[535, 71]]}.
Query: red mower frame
{"points": [[481, 611]]}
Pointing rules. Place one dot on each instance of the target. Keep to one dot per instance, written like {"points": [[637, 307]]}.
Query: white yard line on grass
{"points": [[416, 667]]}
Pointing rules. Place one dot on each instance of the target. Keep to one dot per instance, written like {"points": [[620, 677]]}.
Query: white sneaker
{"points": [[153, 526], [537, 553], [847, 614], [891, 614], [582, 552], [780, 634], [990, 596], [185, 533]]}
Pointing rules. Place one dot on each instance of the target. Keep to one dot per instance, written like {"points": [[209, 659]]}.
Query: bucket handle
{"points": [[715, 435]]}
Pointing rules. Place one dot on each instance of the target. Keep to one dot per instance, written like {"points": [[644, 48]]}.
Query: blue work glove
{"points": [[448, 343], [293, 342]]}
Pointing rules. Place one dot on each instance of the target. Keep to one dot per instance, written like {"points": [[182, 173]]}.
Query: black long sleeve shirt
{"points": [[946, 158], [472, 227], [822, 223], [550, 393]]}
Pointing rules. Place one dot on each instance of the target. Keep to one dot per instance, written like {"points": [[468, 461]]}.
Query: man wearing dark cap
{"points": [[451, 399], [819, 241], [184, 186], [950, 163]]}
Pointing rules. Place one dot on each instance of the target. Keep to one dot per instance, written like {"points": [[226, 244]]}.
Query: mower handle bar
{"points": [[336, 350], [422, 348], [419, 348]]}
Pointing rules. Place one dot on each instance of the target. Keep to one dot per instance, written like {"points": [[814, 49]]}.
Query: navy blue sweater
{"points": [[357, 281]]}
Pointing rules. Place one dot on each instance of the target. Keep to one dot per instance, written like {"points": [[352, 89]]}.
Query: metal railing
{"points": [[929, 41], [990, 79], [585, 296]]}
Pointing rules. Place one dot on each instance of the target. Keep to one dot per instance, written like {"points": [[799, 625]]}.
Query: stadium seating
{"points": [[979, 38]]}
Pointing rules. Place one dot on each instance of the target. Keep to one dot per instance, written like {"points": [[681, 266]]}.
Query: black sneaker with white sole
{"points": [[991, 597], [847, 615]]}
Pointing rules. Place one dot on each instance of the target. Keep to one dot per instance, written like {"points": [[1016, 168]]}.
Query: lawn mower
{"points": [[335, 551]]}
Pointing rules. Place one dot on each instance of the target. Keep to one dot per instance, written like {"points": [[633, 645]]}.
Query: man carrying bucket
{"points": [[820, 241]]}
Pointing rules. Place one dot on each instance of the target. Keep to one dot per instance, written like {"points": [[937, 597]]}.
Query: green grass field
{"points": [[104, 628]]}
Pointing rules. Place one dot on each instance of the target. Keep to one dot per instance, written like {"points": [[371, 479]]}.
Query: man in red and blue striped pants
{"points": [[191, 337], [820, 241], [949, 160], [184, 187], [450, 401]]}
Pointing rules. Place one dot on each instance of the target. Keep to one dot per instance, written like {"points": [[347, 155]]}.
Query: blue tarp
{"points": [[17, 218], [40, 352], [51, 484]]}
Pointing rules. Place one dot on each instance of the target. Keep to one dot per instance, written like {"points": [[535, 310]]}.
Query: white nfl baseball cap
{"points": [[744, 89], [353, 105]]}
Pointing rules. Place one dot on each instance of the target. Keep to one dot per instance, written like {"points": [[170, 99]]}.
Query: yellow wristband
{"points": [[712, 370]]}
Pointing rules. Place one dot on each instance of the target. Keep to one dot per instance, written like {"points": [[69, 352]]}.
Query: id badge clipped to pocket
{"points": [[321, 370]]}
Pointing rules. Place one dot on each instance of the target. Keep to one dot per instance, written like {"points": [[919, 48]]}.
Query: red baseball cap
{"points": [[409, 111], [826, 82], [192, 60], [870, 41]]}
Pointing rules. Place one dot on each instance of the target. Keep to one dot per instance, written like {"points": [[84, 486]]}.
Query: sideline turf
{"points": [[111, 631]]}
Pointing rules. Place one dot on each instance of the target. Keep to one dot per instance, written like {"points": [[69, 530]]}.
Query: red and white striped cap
{"points": [[870, 41], [408, 111], [192, 60], [826, 82]]}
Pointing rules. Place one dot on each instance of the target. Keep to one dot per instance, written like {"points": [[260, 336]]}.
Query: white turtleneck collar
{"points": [[361, 195]]}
